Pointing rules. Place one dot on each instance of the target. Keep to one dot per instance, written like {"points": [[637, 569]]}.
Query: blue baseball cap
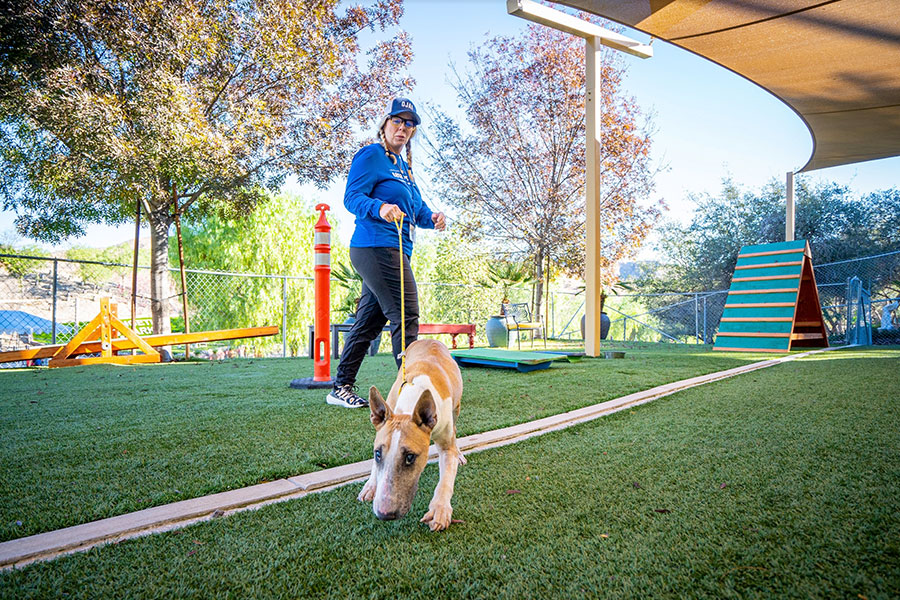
{"points": [[403, 105]]}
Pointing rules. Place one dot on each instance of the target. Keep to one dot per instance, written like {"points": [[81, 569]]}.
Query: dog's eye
{"points": [[378, 455], [410, 458]]}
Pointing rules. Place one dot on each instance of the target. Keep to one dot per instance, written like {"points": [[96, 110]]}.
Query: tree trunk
{"points": [[539, 285], [161, 291]]}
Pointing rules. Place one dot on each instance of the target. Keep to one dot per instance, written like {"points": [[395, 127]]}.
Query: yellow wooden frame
{"points": [[97, 336], [101, 327]]}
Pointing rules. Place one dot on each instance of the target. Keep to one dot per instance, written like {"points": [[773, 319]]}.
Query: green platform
{"points": [[567, 356], [504, 359]]}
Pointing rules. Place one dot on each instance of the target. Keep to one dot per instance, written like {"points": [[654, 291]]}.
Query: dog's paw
{"points": [[367, 494], [462, 459], [438, 517]]}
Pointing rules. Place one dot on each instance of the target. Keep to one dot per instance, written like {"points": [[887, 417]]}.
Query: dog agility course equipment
{"points": [[773, 303], [321, 348], [451, 329], [97, 337], [523, 362]]}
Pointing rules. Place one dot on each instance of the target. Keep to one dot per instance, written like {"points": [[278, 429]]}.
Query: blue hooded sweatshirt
{"points": [[374, 180]]}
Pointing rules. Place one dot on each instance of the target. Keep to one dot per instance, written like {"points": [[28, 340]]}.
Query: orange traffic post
{"points": [[322, 322]]}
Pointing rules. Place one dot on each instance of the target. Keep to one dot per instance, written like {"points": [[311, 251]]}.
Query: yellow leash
{"points": [[399, 224]]}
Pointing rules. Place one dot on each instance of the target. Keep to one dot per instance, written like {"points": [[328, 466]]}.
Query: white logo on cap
{"points": [[406, 104]]}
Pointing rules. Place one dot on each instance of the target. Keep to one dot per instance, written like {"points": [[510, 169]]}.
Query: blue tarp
{"points": [[17, 321]]}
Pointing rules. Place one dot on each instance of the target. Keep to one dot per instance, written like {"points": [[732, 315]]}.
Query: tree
{"points": [[702, 254], [448, 268], [518, 178], [274, 239], [19, 267], [507, 274], [180, 105]]}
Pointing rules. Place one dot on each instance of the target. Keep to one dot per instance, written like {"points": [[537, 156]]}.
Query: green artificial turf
{"points": [[781, 483], [84, 443]]}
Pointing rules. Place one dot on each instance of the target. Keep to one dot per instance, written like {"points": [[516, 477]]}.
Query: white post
{"points": [[593, 35], [789, 210], [592, 263]]}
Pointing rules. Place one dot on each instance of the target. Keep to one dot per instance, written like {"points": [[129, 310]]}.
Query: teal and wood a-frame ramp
{"points": [[773, 304]]}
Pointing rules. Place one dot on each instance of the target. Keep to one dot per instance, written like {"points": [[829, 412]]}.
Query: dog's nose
{"points": [[388, 516]]}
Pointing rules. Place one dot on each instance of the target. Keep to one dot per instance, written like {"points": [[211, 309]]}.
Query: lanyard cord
{"points": [[399, 224]]}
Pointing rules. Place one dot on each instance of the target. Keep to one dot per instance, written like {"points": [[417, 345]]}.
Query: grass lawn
{"points": [[781, 483], [84, 443]]}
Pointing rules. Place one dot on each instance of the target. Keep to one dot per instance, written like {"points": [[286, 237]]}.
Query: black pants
{"points": [[380, 302]]}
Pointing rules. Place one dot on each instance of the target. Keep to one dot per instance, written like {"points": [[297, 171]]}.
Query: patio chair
{"points": [[518, 319]]}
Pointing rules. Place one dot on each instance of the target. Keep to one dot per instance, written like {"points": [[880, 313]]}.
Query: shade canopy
{"points": [[836, 63]]}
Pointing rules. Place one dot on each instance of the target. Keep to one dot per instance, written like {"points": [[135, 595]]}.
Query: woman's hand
{"points": [[440, 222], [390, 212]]}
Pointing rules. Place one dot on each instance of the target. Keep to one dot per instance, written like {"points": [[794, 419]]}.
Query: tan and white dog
{"points": [[420, 408]]}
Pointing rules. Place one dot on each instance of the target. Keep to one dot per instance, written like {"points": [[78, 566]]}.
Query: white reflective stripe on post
{"points": [[323, 258], [322, 237]]}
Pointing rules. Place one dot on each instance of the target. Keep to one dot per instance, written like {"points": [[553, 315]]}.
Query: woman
{"points": [[380, 190]]}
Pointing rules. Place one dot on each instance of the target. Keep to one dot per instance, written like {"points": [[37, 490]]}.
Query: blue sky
{"points": [[709, 122]]}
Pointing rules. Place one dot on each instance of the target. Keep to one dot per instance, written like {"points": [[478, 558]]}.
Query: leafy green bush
{"points": [[19, 267]]}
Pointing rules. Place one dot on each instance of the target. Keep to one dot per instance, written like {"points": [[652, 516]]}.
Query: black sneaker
{"points": [[345, 395]]}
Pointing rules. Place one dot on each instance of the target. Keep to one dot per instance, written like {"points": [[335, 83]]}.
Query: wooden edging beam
{"points": [[49, 545]]}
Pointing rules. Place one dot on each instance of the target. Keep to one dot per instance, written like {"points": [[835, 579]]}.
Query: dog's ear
{"points": [[425, 414], [380, 411]]}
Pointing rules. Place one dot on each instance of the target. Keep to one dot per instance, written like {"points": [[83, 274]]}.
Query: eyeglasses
{"points": [[398, 122]]}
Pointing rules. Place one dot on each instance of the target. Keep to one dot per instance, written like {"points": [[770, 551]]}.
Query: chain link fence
{"points": [[880, 277], [47, 301], [694, 317]]}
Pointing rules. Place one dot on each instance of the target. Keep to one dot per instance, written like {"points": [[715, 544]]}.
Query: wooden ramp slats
{"points": [[779, 344], [773, 295], [793, 263], [762, 312], [754, 334], [766, 278], [736, 349], [744, 299], [754, 262], [774, 253], [769, 291], [757, 319], [758, 304], [762, 284], [764, 327], [791, 247], [806, 336]]}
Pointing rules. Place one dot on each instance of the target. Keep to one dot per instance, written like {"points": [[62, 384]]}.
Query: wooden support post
{"points": [[134, 268], [593, 262], [184, 300], [789, 208]]}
